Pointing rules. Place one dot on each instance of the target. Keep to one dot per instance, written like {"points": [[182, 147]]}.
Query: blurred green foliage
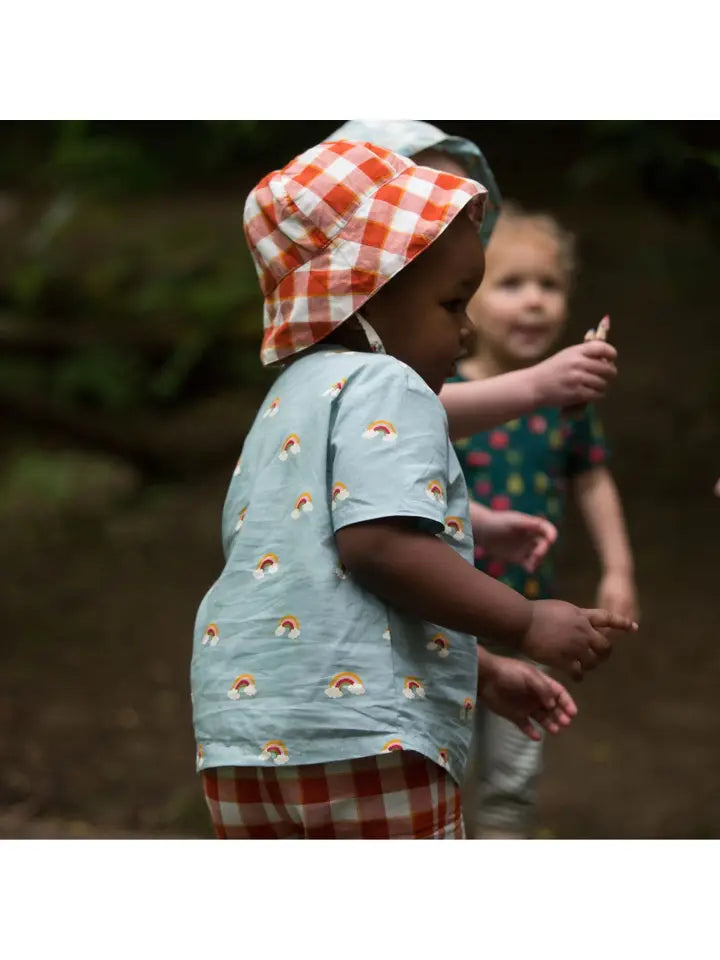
{"points": [[115, 296]]}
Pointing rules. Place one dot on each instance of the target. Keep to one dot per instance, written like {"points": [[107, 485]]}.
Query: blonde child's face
{"points": [[520, 308]]}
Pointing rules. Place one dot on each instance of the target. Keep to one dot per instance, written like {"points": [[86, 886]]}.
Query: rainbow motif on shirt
{"points": [[443, 758], [455, 528], [199, 756], [291, 444], [435, 491], [344, 682], [341, 571], [274, 750], [303, 504], [413, 688], [238, 467], [240, 519], [211, 637], [386, 633], [288, 627], [467, 708], [244, 684], [441, 644], [272, 409], [391, 746], [380, 428], [267, 564], [334, 389], [339, 492]]}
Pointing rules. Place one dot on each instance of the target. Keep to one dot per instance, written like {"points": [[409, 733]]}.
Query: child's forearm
{"points": [[420, 574], [478, 405], [576, 375], [601, 507], [479, 515]]}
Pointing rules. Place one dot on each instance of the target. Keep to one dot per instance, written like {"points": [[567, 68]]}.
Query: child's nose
{"points": [[533, 295]]}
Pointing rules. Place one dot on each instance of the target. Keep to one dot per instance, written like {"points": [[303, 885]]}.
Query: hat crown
{"points": [[295, 212]]}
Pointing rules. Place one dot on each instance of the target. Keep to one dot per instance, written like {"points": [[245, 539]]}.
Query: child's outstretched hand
{"points": [[522, 694], [512, 536], [570, 638], [577, 375]]}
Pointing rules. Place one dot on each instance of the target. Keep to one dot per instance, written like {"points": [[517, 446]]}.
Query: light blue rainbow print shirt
{"points": [[293, 662]]}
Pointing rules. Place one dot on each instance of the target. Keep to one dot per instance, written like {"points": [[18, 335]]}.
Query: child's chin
{"points": [[527, 354]]}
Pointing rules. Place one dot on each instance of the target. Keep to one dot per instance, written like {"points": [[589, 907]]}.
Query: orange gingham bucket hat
{"points": [[330, 228]]}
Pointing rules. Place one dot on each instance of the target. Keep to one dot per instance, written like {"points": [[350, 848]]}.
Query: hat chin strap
{"points": [[376, 344]]}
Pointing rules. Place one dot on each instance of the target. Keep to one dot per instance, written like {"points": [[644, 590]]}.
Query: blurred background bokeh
{"points": [[130, 321]]}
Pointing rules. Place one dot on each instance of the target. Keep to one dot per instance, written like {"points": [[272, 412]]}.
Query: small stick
{"points": [[600, 333]]}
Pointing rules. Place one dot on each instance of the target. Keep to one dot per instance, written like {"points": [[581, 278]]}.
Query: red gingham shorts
{"points": [[395, 796]]}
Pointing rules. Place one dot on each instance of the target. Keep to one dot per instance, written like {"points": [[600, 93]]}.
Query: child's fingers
{"points": [[604, 369], [590, 335], [526, 726], [536, 555], [600, 366], [604, 620], [593, 386], [597, 649], [546, 529], [552, 722], [599, 350], [563, 701], [550, 725]]}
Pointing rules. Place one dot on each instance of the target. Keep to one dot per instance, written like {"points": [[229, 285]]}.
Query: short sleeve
{"points": [[586, 443], [388, 451]]}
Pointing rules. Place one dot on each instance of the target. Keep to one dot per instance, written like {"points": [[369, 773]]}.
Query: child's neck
{"points": [[483, 365]]}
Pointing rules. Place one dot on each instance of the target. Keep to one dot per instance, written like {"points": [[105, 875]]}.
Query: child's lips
{"points": [[531, 335]]}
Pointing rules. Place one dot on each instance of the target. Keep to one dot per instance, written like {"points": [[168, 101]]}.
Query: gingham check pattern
{"points": [[400, 795], [330, 228]]}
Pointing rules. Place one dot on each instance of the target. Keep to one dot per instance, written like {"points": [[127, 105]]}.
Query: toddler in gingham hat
{"points": [[335, 668]]}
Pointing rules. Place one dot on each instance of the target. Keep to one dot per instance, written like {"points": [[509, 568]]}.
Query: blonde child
{"points": [[573, 376], [335, 666], [519, 312]]}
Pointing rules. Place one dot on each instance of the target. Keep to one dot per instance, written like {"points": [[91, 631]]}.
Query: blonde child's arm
{"points": [[599, 502], [576, 375]]}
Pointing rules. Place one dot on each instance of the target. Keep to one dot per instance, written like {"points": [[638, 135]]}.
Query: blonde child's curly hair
{"points": [[513, 214]]}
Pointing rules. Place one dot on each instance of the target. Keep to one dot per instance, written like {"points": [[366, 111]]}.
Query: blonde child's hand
{"points": [[617, 593], [522, 694], [575, 376], [569, 638], [514, 537]]}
